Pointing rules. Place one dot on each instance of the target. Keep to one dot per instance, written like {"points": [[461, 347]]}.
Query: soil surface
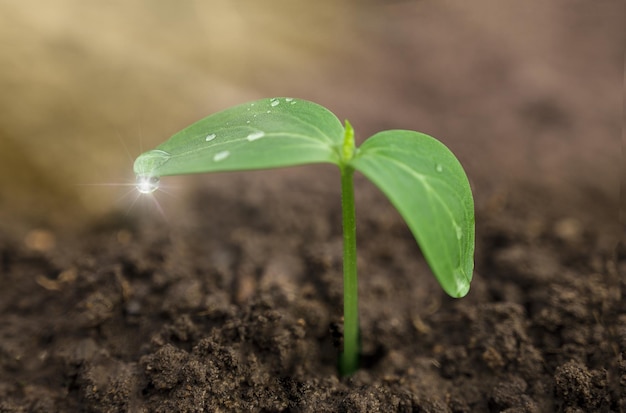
{"points": [[238, 308]]}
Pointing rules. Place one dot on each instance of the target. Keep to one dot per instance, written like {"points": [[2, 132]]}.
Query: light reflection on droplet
{"points": [[147, 184]]}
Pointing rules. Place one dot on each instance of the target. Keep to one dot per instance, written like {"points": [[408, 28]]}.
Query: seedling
{"points": [[419, 175]]}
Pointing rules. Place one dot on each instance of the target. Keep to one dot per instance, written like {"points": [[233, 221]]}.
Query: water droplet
{"points": [[462, 283], [269, 111], [288, 99], [293, 102], [275, 102], [220, 156], [148, 163], [255, 135], [210, 137], [439, 167], [147, 184], [459, 231], [247, 121]]}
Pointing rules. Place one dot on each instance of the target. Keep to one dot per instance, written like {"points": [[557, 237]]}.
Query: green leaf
{"points": [[267, 133], [428, 186]]}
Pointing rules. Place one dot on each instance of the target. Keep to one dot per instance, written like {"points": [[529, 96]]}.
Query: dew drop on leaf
{"points": [[147, 163], [220, 156], [439, 168], [210, 137], [462, 283], [255, 135]]}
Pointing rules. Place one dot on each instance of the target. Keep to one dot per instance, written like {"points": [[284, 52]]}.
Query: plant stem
{"points": [[349, 358]]}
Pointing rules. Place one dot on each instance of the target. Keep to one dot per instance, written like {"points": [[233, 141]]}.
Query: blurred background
{"points": [[527, 94]]}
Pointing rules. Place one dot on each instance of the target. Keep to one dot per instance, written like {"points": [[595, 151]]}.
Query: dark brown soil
{"points": [[237, 307]]}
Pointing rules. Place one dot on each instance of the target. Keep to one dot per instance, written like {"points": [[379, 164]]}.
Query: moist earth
{"points": [[236, 306]]}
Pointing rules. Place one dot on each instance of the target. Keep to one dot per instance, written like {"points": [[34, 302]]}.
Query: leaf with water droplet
{"points": [[438, 208], [292, 135]]}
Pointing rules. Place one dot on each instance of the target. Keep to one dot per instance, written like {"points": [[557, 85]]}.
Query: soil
{"points": [[237, 307]]}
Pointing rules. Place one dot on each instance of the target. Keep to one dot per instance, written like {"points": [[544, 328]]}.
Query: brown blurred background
{"points": [[527, 94]]}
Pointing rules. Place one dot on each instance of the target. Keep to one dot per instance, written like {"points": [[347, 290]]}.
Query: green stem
{"points": [[349, 358]]}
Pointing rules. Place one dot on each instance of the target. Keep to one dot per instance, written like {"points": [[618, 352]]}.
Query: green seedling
{"points": [[419, 175]]}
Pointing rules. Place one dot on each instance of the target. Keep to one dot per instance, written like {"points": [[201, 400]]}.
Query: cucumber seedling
{"points": [[419, 175]]}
